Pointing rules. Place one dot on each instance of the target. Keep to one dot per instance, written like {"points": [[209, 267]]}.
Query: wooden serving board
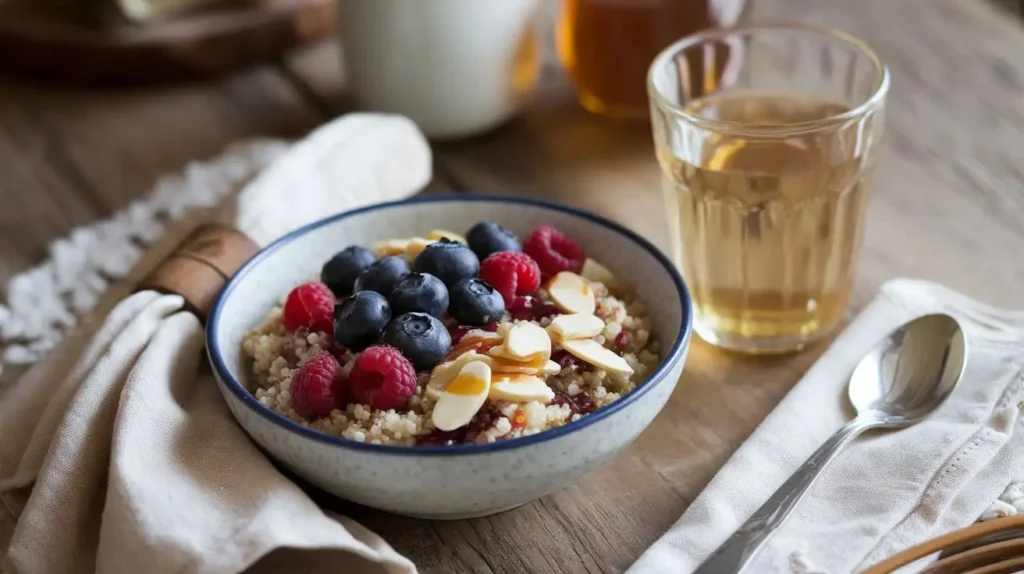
{"points": [[46, 43]]}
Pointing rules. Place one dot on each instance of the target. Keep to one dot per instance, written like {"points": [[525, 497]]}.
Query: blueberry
{"points": [[383, 275], [419, 292], [488, 237], [423, 339], [360, 318], [474, 302], [449, 261], [340, 272]]}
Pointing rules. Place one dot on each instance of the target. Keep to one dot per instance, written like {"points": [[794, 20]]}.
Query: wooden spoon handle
{"points": [[201, 265]]}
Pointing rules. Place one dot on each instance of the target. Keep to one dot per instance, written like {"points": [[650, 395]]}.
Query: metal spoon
{"points": [[900, 381]]}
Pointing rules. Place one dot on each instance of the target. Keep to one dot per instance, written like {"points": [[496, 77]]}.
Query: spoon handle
{"points": [[735, 552]]}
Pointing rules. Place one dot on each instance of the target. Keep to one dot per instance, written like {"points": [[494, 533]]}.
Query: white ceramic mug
{"points": [[455, 67]]}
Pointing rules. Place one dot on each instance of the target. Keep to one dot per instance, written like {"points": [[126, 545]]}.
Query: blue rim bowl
{"points": [[235, 386]]}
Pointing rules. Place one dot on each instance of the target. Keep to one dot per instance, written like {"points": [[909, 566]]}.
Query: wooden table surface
{"points": [[947, 205]]}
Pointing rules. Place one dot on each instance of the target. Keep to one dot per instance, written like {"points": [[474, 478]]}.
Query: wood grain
{"points": [[947, 205]]}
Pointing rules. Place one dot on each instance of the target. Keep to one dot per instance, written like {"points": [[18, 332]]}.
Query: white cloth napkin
{"points": [[117, 453], [886, 491]]}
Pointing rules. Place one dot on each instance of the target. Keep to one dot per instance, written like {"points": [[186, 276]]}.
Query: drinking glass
{"points": [[767, 136]]}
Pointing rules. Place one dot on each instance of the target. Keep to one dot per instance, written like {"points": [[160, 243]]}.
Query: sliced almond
{"points": [[571, 293], [500, 352], [446, 372], [462, 397], [415, 246], [505, 365], [594, 271], [526, 340], [520, 389], [575, 326], [439, 234], [596, 354], [390, 247], [476, 340], [552, 368]]}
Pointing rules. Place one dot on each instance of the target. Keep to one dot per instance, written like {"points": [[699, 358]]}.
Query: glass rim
{"points": [[876, 98]]}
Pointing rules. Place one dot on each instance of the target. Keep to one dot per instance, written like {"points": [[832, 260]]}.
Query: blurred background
{"points": [[99, 98]]}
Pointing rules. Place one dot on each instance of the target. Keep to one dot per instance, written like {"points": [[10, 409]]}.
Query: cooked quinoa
{"points": [[276, 353]]}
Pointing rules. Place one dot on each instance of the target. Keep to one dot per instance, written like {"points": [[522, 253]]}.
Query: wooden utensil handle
{"points": [[940, 543], [201, 265]]}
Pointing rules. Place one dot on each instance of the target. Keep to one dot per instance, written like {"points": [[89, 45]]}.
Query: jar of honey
{"points": [[607, 45]]}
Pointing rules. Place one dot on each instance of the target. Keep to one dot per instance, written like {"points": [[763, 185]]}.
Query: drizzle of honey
{"points": [[467, 384]]}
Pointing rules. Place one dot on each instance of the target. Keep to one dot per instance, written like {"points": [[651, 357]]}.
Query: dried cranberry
{"points": [[482, 421], [457, 332], [566, 360], [528, 308], [622, 340], [579, 404]]}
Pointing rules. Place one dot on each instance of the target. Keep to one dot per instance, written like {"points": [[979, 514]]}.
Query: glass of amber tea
{"points": [[767, 136]]}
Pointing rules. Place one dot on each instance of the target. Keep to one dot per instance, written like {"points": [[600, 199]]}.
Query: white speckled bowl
{"points": [[447, 481]]}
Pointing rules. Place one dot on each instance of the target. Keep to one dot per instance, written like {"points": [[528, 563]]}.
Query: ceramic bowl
{"points": [[458, 481]]}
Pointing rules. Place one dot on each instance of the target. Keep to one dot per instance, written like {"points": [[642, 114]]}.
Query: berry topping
{"points": [[528, 308], [449, 261], [341, 271], [421, 337], [553, 251], [474, 302], [318, 387], [382, 378], [310, 306], [567, 361], [579, 404], [360, 318], [622, 340], [482, 421], [488, 237], [383, 275], [511, 274], [419, 292]]}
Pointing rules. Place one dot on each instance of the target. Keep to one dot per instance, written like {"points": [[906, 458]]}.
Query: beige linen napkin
{"points": [[117, 454], [886, 491]]}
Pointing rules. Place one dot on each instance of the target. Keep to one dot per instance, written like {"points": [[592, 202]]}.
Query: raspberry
{"points": [[579, 404], [310, 305], [527, 308], [318, 387], [382, 377], [510, 273], [553, 251]]}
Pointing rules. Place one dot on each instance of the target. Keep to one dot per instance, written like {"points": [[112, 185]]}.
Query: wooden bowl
{"points": [[47, 44]]}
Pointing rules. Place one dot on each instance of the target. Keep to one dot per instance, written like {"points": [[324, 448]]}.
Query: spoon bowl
{"points": [[910, 372]]}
